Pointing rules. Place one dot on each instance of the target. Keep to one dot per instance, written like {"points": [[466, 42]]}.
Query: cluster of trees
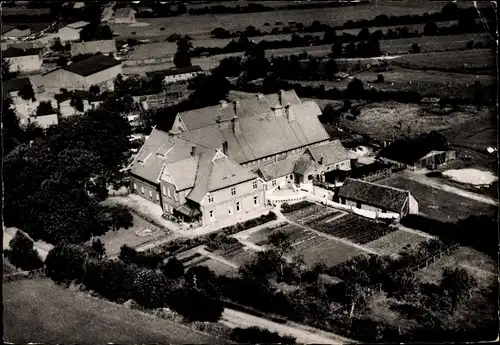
{"points": [[22, 254], [166, 285], [138, 86], [96, 31], [159, 9], [54, 183], [485, 239]]}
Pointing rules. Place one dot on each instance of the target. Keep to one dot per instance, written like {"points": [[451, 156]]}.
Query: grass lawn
{"points": [[240, 257], [39, 310], [113, 240], [393, 242], [438, 204], [476, 58], [323, 249]]}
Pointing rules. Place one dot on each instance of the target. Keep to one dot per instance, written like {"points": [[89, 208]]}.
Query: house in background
{"points": [[43, 121], [17, 32], [11, 88], [89, 101], [23, 60], [71, 32], [93, 47], [175, 75], [377, 198], [225, 148], [427, 150], [125, 15], [97, 70]]}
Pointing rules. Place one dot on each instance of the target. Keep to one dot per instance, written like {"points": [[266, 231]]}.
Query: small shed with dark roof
{"points": [[377, 198]]}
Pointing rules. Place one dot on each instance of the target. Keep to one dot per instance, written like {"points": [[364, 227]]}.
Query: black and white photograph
{"points": [[249, 172]]}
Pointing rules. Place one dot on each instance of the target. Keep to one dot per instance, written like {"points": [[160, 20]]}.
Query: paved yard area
{"points": [[39, 310]]}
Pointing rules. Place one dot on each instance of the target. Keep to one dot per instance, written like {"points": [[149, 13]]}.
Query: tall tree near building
{"points": [[22, 254], [182, 57], [95, 31]]}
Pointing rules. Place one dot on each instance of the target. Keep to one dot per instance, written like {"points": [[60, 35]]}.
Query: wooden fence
{"points": [[425, 263]]}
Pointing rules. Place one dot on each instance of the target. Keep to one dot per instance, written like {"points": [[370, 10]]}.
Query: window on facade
{"points": [[233, 191], [169, 193], [142, 190], [230, 209], [211, 213], [135, 186], [256, 200], [254, 184], [291, 176], [171, 209], [310, 177], [157, 196], [238, 207], [210, 198], [150, 194], [176, 197], [273, 183], [164, 190]]}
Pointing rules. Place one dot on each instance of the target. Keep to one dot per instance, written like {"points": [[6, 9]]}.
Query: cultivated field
{"points": [[39, 310], [240, 256], [476, 58], [203, 24], [393, 242], [350, 227], [438, 204], [219, 268], [377, 120]]}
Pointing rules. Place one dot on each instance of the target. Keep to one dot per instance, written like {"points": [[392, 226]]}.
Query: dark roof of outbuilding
{"points": [[92, 65], [16, 52], [14, 85], [385, 197], [409, 151]]}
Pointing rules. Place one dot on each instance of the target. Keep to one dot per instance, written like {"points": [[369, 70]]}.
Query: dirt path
{"points": [[450, 189], [233, 318]]}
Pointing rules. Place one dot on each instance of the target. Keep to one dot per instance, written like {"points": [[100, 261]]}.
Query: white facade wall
{"points": [[24, 64], [180, 77], [67, 34]]}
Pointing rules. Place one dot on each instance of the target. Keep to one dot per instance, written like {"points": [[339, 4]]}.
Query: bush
{"points": [[64, 263], [287, 208], [22, 254], [195, 305], [256, 335], [173, 268], [147, 259]]}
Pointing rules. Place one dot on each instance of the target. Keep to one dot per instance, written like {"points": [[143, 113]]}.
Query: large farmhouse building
{"points": [[426, 150], [97, 70], [377, 198], [71, 32], [221, 161], [23, 60], [17, 32], [93, 47]]}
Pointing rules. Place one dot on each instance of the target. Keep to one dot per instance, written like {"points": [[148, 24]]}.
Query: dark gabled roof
{"points": [[92, 65], [385, 197], [368, 169], [176, 71], [61, 97], [14, 85], [409, 151], [15, 52]]}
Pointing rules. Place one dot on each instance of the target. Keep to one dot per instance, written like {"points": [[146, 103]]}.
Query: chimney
{"points": [[223, 104], [224, 148], [236, 105], [236, 126], [280, 95], [193, 150], [171, 137], [320, 160], [290, 115]]}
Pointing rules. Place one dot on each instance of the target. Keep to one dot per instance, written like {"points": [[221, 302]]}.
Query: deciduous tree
{"points": [[22, 254]]}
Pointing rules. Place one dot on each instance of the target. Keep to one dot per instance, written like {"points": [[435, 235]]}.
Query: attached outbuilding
{"points": [[377, 198]]}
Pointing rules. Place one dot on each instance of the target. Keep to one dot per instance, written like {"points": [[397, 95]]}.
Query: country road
{"points": [[304, 335], [447, 188]]}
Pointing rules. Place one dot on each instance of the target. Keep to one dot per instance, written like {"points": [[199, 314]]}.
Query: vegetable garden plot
{"points": [[393, 242], [311, 212], [353, 228]]}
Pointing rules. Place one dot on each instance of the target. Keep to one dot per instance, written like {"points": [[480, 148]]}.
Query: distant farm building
{"points": [[23, 60], [176, 75], [426, 150], [93, 47], [121, 16], [71, 32], [17, 32], [377, 198], [97, 70]]}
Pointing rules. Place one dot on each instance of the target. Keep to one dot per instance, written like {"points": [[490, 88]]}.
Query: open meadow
{"points": [[40, 310], [439, 204]]}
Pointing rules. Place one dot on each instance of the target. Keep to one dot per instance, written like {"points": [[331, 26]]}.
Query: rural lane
{"points": [[450, 189], [304, 335]]}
